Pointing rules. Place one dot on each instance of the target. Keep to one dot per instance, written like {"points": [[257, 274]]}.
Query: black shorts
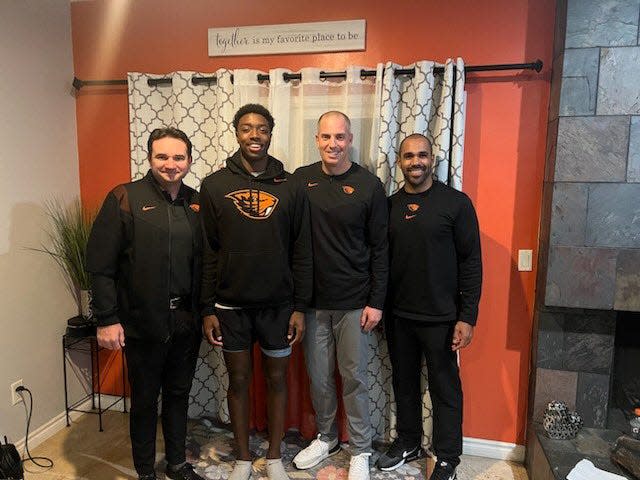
{"points": [[269, 326]]}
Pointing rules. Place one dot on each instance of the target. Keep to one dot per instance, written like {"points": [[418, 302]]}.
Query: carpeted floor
{"points": [[80, 452]]}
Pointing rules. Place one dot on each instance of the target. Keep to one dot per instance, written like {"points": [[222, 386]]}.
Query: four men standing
{"points": [[259, 277]]}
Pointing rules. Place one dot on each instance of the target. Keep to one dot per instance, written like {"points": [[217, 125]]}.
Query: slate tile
{"points": [[581, 277], [627, 290], [618, 86], [594, 23], [569, 214], [613, 215], [592, 149]]}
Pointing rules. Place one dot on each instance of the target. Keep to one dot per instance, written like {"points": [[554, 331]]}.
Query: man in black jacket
{"points": [[257, 283], [434, 290], [349, 224], [144, 256]]}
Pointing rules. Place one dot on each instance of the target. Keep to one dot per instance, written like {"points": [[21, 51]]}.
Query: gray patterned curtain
{"points": [[421, 103], [383, 111], [203, 112]]}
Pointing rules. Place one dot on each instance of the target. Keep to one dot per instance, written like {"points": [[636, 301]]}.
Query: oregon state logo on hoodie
{"points": [[255, 204]]}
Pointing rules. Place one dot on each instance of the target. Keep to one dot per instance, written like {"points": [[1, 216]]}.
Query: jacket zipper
{"points": [[171, 316]]}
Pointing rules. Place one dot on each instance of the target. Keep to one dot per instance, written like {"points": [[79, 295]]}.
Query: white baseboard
{"points": [[57, 423], [493, 449]]}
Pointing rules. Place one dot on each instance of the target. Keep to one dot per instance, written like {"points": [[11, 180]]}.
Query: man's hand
{"points": [[296, 328], [370, 318], [111, 336], [211, 330], [462, 335]]}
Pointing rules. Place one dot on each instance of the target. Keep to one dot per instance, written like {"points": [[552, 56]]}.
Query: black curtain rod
{"points": [[537, 66]]}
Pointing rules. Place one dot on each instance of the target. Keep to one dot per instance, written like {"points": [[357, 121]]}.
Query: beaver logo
{"points": [[413, 207], [348, 189], [255, 204]]}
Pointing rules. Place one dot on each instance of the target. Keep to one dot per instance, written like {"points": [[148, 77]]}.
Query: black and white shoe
{"points": [[398, 454], [444, 471]]}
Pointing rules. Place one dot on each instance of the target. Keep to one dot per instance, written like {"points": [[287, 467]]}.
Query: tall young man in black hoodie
{"points": [[257, 281], [349, 224], [434, 290]]}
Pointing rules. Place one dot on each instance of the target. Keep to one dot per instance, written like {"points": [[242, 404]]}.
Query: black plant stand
{"points": [[89, 345]]}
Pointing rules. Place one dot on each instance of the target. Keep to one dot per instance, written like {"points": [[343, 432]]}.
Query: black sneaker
{"points": [[444, 471], [398, 454], [185, 472]]}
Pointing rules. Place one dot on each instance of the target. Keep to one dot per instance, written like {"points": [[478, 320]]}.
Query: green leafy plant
{"points": [[70, 226]]}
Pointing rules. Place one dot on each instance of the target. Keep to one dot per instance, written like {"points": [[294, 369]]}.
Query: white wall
{"points": [[38, 161]]}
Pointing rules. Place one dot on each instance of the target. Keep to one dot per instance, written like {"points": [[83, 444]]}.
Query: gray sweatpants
{"points": [[331, 334]]}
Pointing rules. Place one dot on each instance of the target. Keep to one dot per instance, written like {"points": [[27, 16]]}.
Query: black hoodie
{"points": [[260, 237]]}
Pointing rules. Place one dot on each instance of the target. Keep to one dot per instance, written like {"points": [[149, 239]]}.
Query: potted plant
{"points": [[68, 235]]}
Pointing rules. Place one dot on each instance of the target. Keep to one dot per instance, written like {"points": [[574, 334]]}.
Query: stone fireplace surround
{"points": [[589, 252]]}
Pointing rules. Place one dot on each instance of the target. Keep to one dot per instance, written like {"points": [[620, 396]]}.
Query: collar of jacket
{"points": [[183, 192], [275, 168]]}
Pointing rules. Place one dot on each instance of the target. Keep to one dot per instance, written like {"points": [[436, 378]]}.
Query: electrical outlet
{"points": [[15, 396]]}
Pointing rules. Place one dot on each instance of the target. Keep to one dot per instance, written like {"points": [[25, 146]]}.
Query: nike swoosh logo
{"points": [[279, 180], [312, 184], [409, 217], [146, 208]]}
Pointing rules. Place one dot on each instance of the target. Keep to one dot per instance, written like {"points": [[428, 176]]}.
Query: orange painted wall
{"points": [[505, 139]]}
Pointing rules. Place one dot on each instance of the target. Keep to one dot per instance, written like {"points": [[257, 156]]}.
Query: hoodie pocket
{"points": [[255, 278]]}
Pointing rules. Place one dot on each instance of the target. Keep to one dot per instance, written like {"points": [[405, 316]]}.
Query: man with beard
{"points": [[350, 258], [434, 290], [257, 280], [144, 257]]}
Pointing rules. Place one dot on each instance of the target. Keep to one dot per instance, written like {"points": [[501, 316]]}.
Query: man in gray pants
{"points": [[350, 262]]}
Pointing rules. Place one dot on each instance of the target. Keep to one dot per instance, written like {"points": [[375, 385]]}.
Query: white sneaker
{"points": [[359, 467], [241, 470], [316, 452], [275, 469]]}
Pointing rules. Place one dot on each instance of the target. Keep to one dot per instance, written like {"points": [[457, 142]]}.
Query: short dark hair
{"points": [[172, 132], [253, 108], [415, 135]]}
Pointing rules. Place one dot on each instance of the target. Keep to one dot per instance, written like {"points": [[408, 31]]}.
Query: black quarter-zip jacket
{"points": [[259, 233], [129, 258], [349, 225]]}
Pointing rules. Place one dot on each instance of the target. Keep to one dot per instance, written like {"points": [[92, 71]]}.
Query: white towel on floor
{"points": [[585, 470]]}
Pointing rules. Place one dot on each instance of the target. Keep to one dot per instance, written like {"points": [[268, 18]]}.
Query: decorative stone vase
{"points": [[559, 422]]}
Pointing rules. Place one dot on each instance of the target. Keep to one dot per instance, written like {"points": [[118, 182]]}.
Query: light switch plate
{"points": [[525, 260]]}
